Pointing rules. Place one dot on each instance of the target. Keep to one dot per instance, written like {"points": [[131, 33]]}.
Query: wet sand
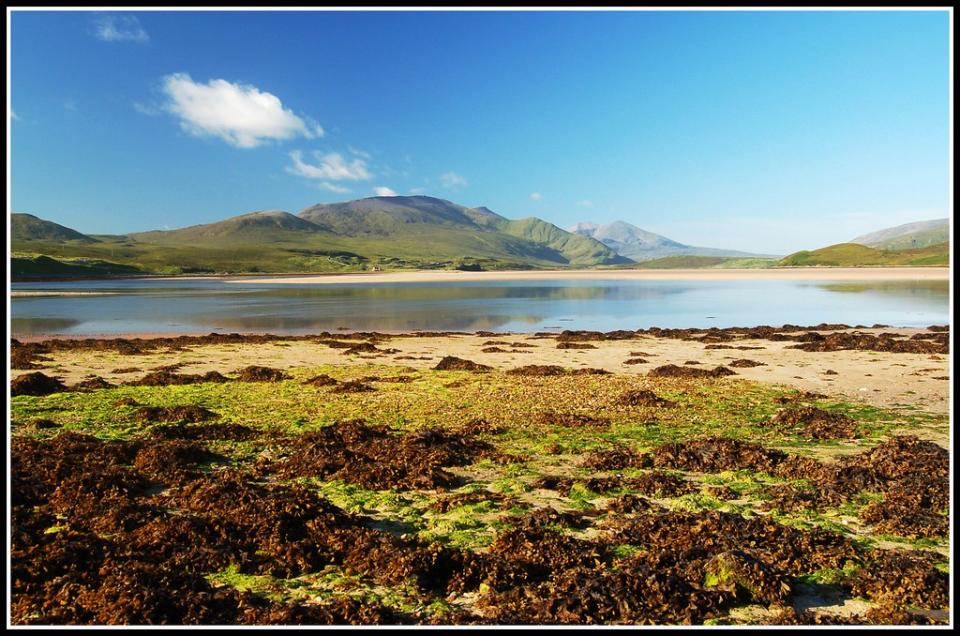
{"points": [[58, 292]]}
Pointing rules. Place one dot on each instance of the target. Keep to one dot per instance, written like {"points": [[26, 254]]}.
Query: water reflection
{"points": [[410, 321], [203, 306], [450, 293], [935, 290], [41, 325]]}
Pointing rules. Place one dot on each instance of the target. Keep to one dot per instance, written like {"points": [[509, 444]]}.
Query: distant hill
{"points": [[257, 226], [479, 231], [386, 216], [27, 227], [386, 232], [640, 245], [855, 255], [908, 236], [578, 249], [707, 262], [25, 267]]}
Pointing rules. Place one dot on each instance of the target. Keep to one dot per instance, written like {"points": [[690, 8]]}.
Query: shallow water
{"points": [[203, 306]]}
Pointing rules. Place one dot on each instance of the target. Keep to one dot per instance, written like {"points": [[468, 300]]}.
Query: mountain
{"points": [[26, 227], [271, 225], [386, 216], [478, 231], [389, 232], [923, 243], [909, 235], [584, 228], [856, 255], [579, 249], [640, 245]]}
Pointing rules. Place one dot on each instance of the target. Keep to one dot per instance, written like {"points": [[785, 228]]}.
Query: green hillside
{"points": [[272, 226], [706, 262], [908, 236], [442, 227], [855, 255], [682, 262], [24, 266], [26, 227], [386, 232], [579, 250], [390, 216], [746, 263], [916, 240]]}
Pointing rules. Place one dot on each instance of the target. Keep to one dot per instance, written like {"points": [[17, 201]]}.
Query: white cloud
{"points": [[453, 180], [536, 196], [384, 191], [121, 28], [417, 190], [329, 167], [14, 116], [240, 114], [585, 203], [332, 187]]}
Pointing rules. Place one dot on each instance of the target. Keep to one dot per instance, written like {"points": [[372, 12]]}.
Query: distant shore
{"points": [[433, 275], [785, 273]]}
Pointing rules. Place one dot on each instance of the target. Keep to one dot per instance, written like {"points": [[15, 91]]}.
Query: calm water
{"points": [[210, 305]]}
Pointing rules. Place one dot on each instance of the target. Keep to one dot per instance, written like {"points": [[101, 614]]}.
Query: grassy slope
{"points": [[271, 243], [293, 252], [706, 262], [255, 226], [39, 266], [907, 236], [916, 240], [855, 255], [28, 227], [580, 250]]}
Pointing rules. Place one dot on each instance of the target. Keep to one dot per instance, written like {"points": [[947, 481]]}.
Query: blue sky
{"points": [[760, 131]]}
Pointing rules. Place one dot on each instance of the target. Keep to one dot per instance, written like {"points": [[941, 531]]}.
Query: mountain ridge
{"points": [[641, 245], [25, 226], [418, 231], [916, 244], [857, 255], [240, 226], [908, 235]]}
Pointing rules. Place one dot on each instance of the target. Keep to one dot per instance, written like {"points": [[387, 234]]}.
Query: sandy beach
{"points": [[432, 276]]}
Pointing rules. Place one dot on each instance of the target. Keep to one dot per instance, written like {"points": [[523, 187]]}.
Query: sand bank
{"points": [[431, 276]]}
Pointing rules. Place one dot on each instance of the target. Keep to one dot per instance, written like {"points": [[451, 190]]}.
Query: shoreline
{"points": [[477, 333], [430, 275], [54, 292], [880, 377]]}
